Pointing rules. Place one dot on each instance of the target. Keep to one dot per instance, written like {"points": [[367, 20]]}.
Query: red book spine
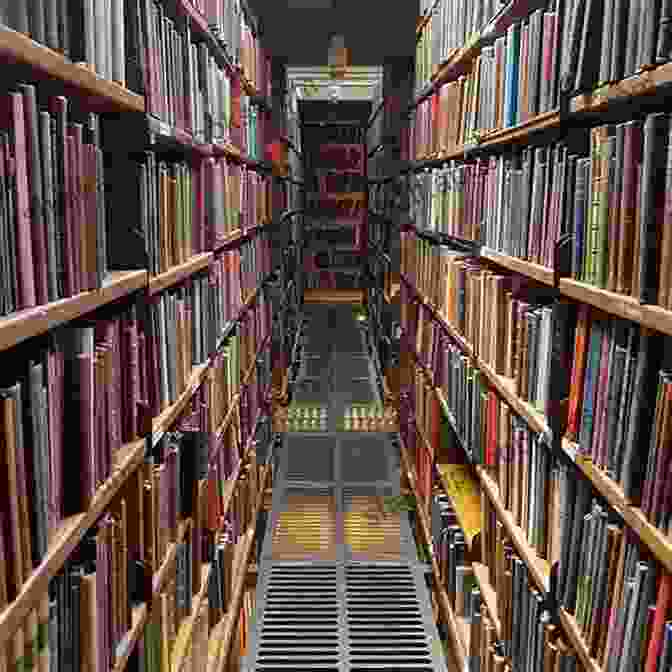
{"points": [[14, 119], [80, 225], [70, 260]]}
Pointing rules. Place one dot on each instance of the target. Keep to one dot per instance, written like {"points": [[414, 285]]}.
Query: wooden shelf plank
{"points": [[538, 567], [70, 534], [333, 296], [31, 322], [504, 386], [19, 48], [220, 640], [575, 637], [627, 307], [642, 84], [526, 268], [179, 273], [655, 539], [456, 634], [488, 594], [163, 422], [186, 631]]}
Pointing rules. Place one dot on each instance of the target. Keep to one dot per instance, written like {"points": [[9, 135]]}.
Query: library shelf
{"points": [[629, 308], [465, 495], [538, 567], [449, 414], [571, 627], [506, 389], [229, 239], [655, 539], [333, 296], [529, 269], [101, 94], [165, 420], [222, 635], [455, 631], [186, 631], [141, 611], [644, 83], [177, 274], [31, 322], [65, 540], [482, 574]]}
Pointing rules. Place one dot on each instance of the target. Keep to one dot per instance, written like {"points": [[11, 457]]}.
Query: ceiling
{"points": [[298, 31]]}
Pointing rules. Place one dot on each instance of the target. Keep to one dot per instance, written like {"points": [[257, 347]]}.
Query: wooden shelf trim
{"points": [[218, 662], [454, 630], [179, 273], [538, 567], [527, 268], [70, 534], [627, 307], [333, 296], [488, 594], [31, 322], [577, 641], [655, 539], [163, 422], [19, 48]]}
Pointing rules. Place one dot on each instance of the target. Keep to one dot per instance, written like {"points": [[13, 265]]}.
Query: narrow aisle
{"points": [[340, 586]]}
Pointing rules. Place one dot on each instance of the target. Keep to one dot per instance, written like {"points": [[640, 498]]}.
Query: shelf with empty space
{"points": [[31, 322], [333, 296], [65, 540], [100, 93], [465, 495]]}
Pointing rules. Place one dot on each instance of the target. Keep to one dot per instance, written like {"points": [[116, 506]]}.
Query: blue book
{"points": [[511, 74], [665, 661]]}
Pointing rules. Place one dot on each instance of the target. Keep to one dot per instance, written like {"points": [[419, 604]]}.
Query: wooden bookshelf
{"points": [[626, 307], [488, 594], [654, 538], [69, 535], [575, 637], [179, 273], [454, 629], [99, 93], [31, 322], [333, 296], [646, 83], [186, 631], [222, 635], [163, 422], [527, 268], [538, 567]]}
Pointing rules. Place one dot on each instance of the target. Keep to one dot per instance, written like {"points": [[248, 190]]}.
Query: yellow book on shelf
{"points": [[465, 495]]}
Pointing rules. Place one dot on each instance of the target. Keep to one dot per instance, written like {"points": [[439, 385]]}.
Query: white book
{"points": [[118, 43]]}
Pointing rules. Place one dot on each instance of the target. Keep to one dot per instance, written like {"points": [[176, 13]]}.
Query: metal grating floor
{"points": [[340, 588]]}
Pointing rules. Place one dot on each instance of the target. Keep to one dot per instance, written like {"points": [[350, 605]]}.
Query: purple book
{"points": [[14, 122]]}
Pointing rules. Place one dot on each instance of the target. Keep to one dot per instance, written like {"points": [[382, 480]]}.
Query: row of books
{"points": [[99, 34], [114, 38], [606, 42], [232, 27], [621, 599], [52, 201], [618, 408], [510, 82], [451, 26], [72, 391]]}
